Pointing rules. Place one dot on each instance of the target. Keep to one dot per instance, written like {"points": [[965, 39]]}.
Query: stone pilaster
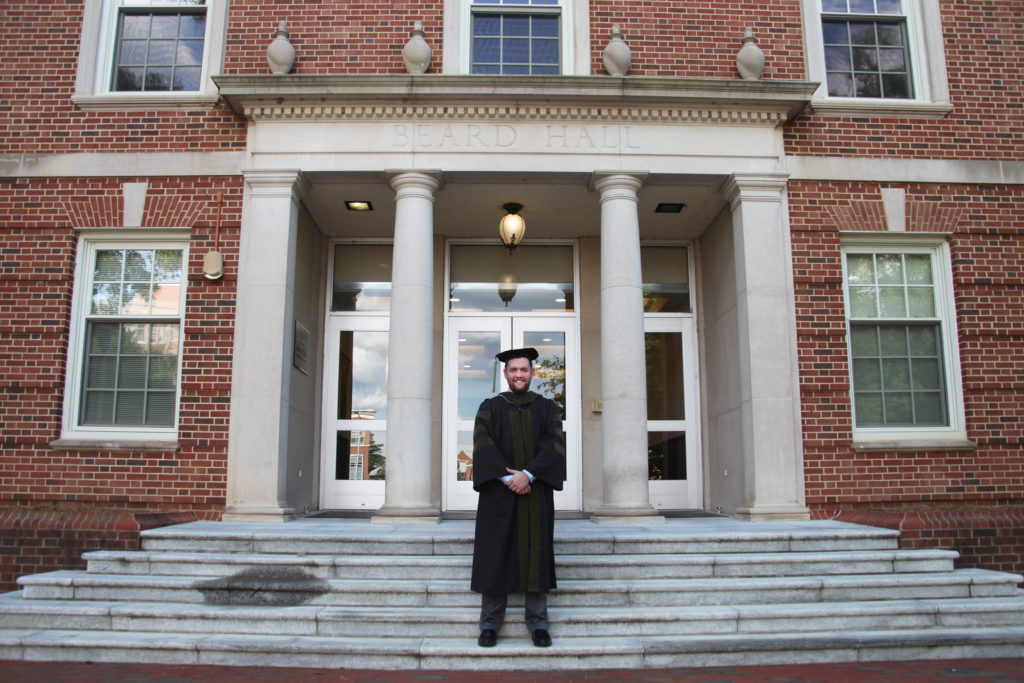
{"points": [[773, 483], [264, 327]]}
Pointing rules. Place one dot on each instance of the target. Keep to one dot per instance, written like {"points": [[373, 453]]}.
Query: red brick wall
{"points": [[38, 81], [985, 537], [332, 36], [984, 84], [681, 39], [698, 39], [685, 39], [44, 540], [36, 279], [987, 249]]}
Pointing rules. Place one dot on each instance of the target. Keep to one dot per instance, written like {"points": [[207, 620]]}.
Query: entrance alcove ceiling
{"points": [[555, 206]]}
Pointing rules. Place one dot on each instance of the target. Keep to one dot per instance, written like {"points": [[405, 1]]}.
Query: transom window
{"points": [[159, 45], [516, 37], [866, 49]]}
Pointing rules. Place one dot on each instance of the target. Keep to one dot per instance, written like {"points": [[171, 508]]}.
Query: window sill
{"points": [[144, 101], [119, 445], [903, 109], [914, 446]]}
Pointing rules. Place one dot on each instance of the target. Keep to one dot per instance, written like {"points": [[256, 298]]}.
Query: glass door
{"points": [[673, 452], [355, 414], [473, 374]]}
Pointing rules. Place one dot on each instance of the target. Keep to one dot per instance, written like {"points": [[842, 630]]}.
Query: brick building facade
{"points": [[816, 218]]}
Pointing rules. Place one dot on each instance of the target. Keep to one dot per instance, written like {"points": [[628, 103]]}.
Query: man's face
{"points": [[518, 374]]}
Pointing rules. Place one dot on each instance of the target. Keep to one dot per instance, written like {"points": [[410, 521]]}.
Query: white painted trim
{"points": [[574, 34], [942, 271], [89, 242], [927, 62], [96, 53]]}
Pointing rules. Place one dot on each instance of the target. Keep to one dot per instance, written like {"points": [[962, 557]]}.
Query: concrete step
{"points": [[348, 593], [457, 654], [461, 622], [590, 567], [292, 586], [346, 537]]}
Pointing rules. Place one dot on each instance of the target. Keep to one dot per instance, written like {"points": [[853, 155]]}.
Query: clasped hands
{"points": [[519, 483]]}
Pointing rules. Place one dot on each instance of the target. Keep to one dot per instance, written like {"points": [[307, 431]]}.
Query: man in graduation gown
{"points": [[518, 464]]}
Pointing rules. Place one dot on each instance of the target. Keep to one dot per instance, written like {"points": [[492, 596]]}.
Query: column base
{"points": [[773, 513], [637, 516], [258, 513], [394, 515]]}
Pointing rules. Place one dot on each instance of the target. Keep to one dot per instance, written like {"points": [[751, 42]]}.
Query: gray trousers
{"points": [[492, 611]]}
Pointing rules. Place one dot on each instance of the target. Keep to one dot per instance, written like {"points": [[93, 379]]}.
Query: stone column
{"points": [[411, 370], [773, 476], [623, 361], [262, 362]]}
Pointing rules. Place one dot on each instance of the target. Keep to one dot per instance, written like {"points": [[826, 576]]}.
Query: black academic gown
{"points": [[514, 548]]}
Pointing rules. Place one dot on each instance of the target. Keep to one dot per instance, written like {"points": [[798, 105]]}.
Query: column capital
{"points": [[754, 187], [414, 183], [276, 183], [617, 184]]}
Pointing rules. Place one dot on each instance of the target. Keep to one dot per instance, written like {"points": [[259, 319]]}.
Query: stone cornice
{"points": [[575, 98]]}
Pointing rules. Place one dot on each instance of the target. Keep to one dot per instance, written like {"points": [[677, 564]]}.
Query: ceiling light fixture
{"points": [[512, 226], [358, 205], [669, 207]]}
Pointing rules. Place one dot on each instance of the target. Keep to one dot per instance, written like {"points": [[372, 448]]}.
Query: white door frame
{"points": [[681, 494], [459, 495], [344, 494]]}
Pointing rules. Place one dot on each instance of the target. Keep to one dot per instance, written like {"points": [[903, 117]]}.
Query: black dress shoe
{"points": [[489, 638], [541, 638]]}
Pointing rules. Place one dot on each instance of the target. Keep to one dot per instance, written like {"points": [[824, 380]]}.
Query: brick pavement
{"points": [[944, 671]]}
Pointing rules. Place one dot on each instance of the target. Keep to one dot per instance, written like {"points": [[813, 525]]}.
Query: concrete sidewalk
{"points": [[943, 671]]}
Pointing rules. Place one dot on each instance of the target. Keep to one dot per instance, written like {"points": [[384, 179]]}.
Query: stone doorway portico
{"points": [[616, 147]]}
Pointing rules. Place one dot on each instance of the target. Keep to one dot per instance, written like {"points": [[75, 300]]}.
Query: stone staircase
{"points": [[347, 593]]}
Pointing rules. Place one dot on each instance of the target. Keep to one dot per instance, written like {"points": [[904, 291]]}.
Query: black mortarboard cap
{"points": [[529, 353]]}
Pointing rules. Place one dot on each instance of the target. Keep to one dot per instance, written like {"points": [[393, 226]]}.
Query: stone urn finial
{"points": [[616, 55], [416, 53], [280, 52], [750, 58]]}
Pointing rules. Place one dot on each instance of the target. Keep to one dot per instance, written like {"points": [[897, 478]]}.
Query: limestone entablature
{"points": [[555, 98]]}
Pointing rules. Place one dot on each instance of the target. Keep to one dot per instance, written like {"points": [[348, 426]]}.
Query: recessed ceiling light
{"points": [[670, 207], [358, 206]]}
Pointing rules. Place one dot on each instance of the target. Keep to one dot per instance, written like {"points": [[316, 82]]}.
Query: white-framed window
{"points": [[127, 328], [145, 54], [876, 56], [517, 37], [902, 340]]}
